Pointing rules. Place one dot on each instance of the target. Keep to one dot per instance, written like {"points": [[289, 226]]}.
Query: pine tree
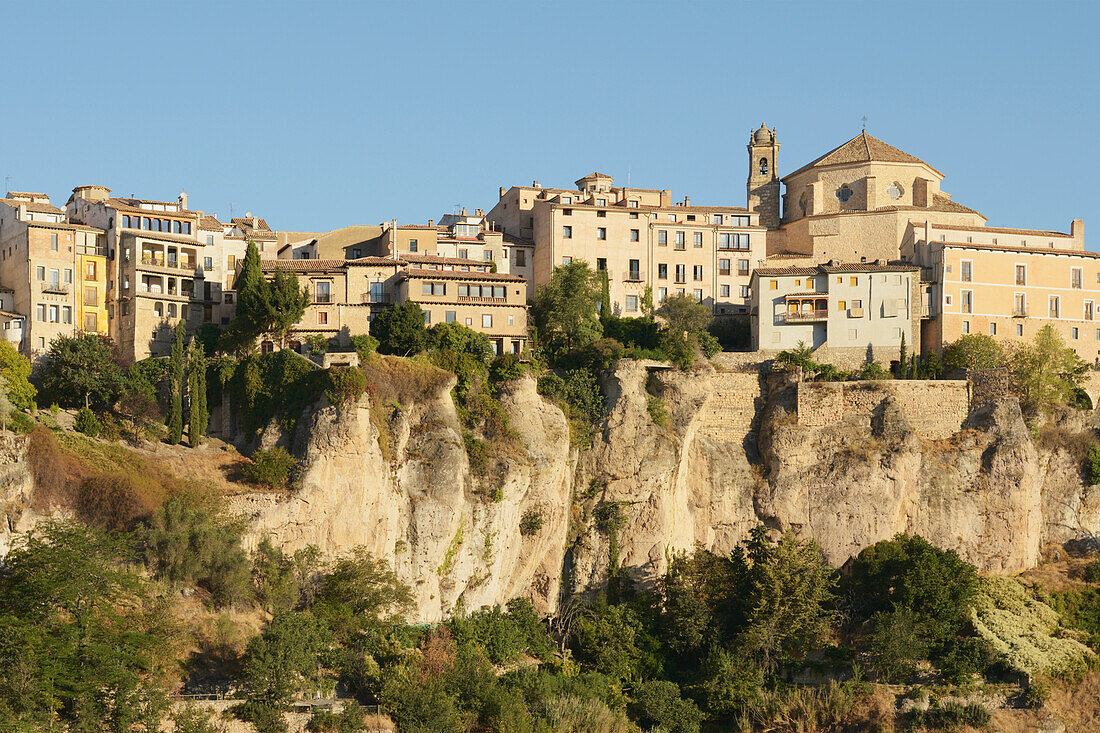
{"points": [[198, 415], [175, 387]]}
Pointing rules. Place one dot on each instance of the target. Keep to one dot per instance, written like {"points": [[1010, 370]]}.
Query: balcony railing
{"points": [[480, 299], [634, 276], [806, 316], [376, 298], [723, 271], [180, 264], [1019, 312], [56, 288], [322, 299]]}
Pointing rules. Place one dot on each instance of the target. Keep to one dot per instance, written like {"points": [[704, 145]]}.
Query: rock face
{"points": [[424, 510], [686, 459]]}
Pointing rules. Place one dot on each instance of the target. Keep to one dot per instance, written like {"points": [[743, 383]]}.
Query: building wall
{"points": [[731, 409]]}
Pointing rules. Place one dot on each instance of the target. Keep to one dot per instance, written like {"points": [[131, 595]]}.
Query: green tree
{"points": [[283, 658], [252, 301], [657, 705], [80, 371], [6, 409], [790, 597], [685, 330], [286, 304], [198, 414], [16, 370], [1046, 371], [400, 329], [973, 351], [174, 419], [896, 643], [361, 590], [564, 310], [903, 359], [271, 467], [81, 640]]}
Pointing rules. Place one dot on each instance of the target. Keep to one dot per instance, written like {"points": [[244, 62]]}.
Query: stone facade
{"points": [[763, 185], [730, 414], [824, 403]]}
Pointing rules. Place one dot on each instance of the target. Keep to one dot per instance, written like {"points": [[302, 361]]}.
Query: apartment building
{"points": [[55, 270], [849, 313], [165, 263], [1008, 283], [11, 322], [346, 294], [639, 237]]}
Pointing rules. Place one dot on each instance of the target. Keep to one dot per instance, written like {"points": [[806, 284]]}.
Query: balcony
{"points": [[480, 299], [55, 288], [632, 276], [1019, 312], [376, 298], [324, 299], [806, 316], [183, 265]]}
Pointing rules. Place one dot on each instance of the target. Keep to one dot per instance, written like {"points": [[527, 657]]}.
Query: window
{"points": [[1020, 330], [158, 309], [968, 301], [89, 270], [844, 193], [744, 291], [521, 258], [601, 202], [91, 322], [680, 241], [733, 241], [742, 267], [723, 267], [434, 289], [1074, 332], [566, 260], [992, 328], [966, 326], [41, 272], [662, 237], [1088, 310], [698, 239], [662, 272], [698, 295], [125, 221], [323, 294], [662, 294], [842, 305], [681, 273], [601, 263], [854, 281], [773, 285], [1019, 305], [414, 245], [488, 255], [1055, 306], [208, 263], [697, 272], [632, 204], [601, 214], [634, 235], [53, 242], [967, 267], [635, 270], [1021, 274], [463, 254], [487, 320], [449, 316], [947, 300], [209, 240], [632, 304], [601, 233], [40, 312], [567, 232], [724, 291], [90, 295], [633, 214], [567, 212], [171, 310], [1075, 277], [672, 217], [717, 219], [567, 199], [68, 276]]}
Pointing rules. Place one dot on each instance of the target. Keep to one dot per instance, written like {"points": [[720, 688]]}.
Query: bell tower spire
{"points": [[763, 184]]}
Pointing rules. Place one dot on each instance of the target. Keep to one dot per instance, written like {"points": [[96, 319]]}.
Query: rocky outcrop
{"points": [[453, 536]]}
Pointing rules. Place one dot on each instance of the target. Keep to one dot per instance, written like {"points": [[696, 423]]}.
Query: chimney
{"points": [[687, 201], [183, 201], [535, 184], [479, 212], [502, 192], [1077, 231], [431, 223], [248, 215], [463, 211]]}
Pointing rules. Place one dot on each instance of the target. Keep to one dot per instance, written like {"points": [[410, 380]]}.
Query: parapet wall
{"points": [[935, 408]]}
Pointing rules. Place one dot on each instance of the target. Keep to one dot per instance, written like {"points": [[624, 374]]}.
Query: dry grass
{"points": [[1075, 704]]}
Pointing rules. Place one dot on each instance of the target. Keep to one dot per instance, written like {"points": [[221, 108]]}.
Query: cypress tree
{"points": [[903, 359], [253, 301], [198, 415], [175, 387]]}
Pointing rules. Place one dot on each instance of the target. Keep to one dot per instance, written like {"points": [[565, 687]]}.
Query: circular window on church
{"points": [[894, 191], [844, 193]]}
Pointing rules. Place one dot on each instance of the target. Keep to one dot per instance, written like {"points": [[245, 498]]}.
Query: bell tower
{"points": [[763, 186]]}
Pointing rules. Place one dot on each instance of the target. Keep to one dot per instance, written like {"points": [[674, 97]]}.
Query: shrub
{"points": [[116, 501], [1035, 695], [658, 412], [505, 368], [346, 385], [1092, 465], [15, 370], [531, 523], [1091, 573], [80, 371], [657, 704], [87, 423], [973, 351], [271, 467], [364, 345], [896, 643], [477, 451], [400, 330]]}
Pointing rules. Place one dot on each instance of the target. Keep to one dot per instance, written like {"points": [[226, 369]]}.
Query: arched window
{"points": [[763, 166]]}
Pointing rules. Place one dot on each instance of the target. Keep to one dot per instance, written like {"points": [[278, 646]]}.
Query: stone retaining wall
{"points": [[732, 407], [935, 408]]}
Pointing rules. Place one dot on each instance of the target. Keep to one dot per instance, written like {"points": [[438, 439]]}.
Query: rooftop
{"points": [[862, 148], [832, 267]]}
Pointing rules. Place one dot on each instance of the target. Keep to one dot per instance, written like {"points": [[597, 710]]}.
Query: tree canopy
{"points": [[973, 351], [564, 310], [16, 370], [1046, 371], [80, 371], [400, 329]]}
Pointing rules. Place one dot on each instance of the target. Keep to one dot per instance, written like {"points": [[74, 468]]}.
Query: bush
{"points": [[1091, 573], [400, 330], [271, 467], [364, 345], [505, 368], [658, 412], [87, 423], [16, 369], [531, 523], [973, 351], [1035, 695], [346, 385], [896, 644], [1092, 465], [116, 501], [657, 704]]}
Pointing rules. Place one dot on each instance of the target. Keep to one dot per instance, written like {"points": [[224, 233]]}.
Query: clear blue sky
{"points": [[318, 115]]}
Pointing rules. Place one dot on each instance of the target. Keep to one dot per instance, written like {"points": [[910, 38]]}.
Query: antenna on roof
{"points": [[628, 175], [864, 118], [7, 184]]}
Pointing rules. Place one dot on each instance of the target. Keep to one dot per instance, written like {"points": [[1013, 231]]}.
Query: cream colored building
{"points": [[849, 313], [639, 237], [346, 294], [56, 271]]}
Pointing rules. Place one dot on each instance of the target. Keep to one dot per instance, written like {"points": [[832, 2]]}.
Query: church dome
{"points": [[763, 136]]}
